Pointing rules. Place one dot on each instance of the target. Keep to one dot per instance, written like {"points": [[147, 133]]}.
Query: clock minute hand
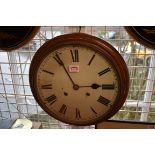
{"points": [[68, 74], [58, 59], [93, 86]]}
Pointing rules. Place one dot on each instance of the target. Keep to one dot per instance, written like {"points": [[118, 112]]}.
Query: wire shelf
{"points": [[17, 101]]}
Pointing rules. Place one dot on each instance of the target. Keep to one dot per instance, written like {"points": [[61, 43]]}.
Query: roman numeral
{"points": [[57, 59], [75, 55], [51, 99], [63, 109], [92, 58], [104, 71], [48, 72], [48, 86], [108, 86], [93, 110], [78, 115], [103, 100]]}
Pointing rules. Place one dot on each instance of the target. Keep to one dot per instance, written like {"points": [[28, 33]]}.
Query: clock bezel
{"points": [[95, 43]]}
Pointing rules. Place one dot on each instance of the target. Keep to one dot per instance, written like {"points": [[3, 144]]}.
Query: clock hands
{"points": [[58, 59], [104, 86], [93, 86], [75, 86]]}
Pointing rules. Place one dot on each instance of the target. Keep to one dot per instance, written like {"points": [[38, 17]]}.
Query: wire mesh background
{"points": [[17, 101]]}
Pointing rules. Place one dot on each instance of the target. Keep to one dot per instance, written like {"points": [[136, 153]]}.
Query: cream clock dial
{"points": [[77, 80]]}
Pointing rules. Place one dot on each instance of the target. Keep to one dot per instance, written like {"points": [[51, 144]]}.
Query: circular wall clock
{"points": [[145, 35], [79, 79], [14, 37]]}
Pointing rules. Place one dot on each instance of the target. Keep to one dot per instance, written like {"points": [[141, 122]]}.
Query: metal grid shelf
{"points": [[17, 101]]}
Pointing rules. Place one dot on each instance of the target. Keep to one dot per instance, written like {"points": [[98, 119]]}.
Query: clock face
{"points": [[76, 83]]}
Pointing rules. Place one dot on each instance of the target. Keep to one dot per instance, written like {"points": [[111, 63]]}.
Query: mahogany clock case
{"points": [[145, 35], [14, 37], [98, 45]]}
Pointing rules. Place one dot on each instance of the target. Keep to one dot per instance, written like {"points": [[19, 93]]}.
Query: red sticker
{"points": [[73, 68]]}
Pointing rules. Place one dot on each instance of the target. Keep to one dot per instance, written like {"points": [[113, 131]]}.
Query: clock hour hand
{"points": [[104, 86], [93, 86]]}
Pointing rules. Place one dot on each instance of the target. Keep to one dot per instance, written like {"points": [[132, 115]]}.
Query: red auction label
{"points": [[73, 68]]}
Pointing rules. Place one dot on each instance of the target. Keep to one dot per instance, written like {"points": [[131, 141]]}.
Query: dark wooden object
{"points": [[116, 124], [145, 35], [14, 37]]}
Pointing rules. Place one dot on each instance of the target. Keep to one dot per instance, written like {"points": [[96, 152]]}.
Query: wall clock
{"points": [[14, 37], [145, 35], [79, 79]]}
